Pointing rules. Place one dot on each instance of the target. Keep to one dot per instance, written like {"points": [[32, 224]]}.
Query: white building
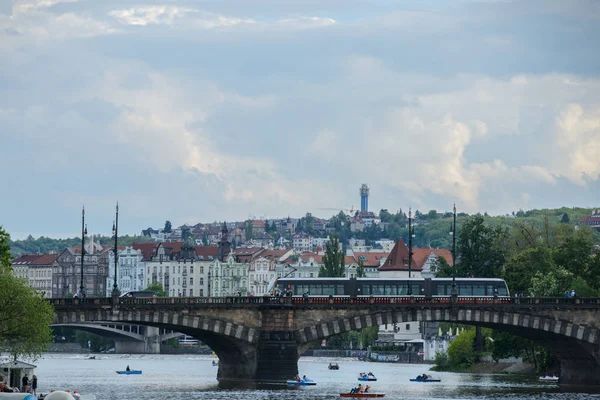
{"points": [[36, 269], [130, 270], [181, 267], [302, 242], [263, 269]]}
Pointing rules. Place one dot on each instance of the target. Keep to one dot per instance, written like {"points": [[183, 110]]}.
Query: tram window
{"points": [[489, 290], [416, 289], [465, 290], [377, 289], [339, 289], [365, 289], [316, 290], [478, 290], [445, 290], [502, 291], [391, 290], [402, 290], [328, 289]]}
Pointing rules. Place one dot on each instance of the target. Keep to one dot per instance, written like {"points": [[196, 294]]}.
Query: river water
{"points": [[187, 377]]}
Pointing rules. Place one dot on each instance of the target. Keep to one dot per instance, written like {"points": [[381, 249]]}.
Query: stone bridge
{"points": [[129, 339], [259, 339]]}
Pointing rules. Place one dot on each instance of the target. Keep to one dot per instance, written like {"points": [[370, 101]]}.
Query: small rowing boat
{"points": [[131, 372], [547, 378], [362, 395], [367, 377]]}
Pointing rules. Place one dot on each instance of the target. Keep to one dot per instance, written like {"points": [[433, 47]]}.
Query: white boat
{"points": [[548, 378]]}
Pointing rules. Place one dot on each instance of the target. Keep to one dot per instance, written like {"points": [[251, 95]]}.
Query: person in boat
{"points": [[304, 377], [297, 378], [371, 374], [367, 389], [127, 369], [361, 389]]}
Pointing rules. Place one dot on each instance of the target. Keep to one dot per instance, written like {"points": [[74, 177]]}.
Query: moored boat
{"points": [[547, 378], [131, 372], [333, 366], [362, 395]]}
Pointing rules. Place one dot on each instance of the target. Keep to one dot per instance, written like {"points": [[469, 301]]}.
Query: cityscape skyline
{"points": [[204, 111]]}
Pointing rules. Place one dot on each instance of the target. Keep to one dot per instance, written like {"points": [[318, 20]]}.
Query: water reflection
{"points": [[177, 377]]}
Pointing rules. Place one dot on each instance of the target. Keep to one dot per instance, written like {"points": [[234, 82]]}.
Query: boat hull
{"points": [[362, 395], [307, 382], [129, 372], [425, 380], [372, 379]]}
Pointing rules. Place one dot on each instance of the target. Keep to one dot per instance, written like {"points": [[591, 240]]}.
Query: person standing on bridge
{"points": [[572, 292]]}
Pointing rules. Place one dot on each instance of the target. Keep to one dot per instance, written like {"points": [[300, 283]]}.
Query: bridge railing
{"points": [[322, 300]]}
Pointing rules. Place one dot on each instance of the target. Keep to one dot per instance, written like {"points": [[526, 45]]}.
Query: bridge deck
{"points": [[328, 301]]}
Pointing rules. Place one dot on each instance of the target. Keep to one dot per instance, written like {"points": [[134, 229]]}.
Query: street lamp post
{"points": [[410, 252], [453, 233], [83, 233], [115, 290]]}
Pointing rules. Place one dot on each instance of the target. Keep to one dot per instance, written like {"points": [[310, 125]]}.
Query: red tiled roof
{"points": [[35, 259], [373, 259], [46, 259], [147, 249], [397, 258], [207, 251], [420, 256]]}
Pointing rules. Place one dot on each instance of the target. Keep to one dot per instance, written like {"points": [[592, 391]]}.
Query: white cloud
{"points": [[306, 22]]}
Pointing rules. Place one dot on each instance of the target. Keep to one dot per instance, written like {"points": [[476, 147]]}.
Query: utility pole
{"points": [[410, 252], [453, 233], [83, 233], [115, 290]]}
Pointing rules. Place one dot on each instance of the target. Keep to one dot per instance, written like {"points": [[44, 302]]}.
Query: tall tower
{"points": [[364, 197]]}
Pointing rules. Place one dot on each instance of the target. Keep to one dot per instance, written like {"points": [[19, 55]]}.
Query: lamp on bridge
{"points": [[83, 233], [115, 291], [411, 234], [453, 233]]}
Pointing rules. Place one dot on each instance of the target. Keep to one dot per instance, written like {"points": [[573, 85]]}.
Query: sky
{"points": [[204, 110]]}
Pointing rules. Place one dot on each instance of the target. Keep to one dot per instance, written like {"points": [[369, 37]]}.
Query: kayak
{"points": [[303, 382], [362, 395], [132, 372], [425, 380]]}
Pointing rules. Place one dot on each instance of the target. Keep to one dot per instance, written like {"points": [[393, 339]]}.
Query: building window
{"points": [[191, 269], [202, 281], [191, 281], [191, 292], [408, 327]]}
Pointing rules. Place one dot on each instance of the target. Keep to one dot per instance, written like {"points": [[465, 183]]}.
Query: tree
{"points": [[432, 214], [334, 261], [565, 219], [360, 271], [551, 284], [520, 270], [186, 232], [157, 288], [267, 226], [481, 249], [168, 227], [25, 317], [249, 231], [461, 352], [441, 268]]}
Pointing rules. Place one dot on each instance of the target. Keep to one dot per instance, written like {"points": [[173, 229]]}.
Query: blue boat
{"points": [[132, 372], [302, 382], [367, 378]]}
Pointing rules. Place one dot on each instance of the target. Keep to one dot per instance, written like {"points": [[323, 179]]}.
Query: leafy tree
{"points": [[441, 268], [384, 215], [157, 288], [552, 283], [481, 249], [25, 317], [461, 352], [575, 252], [565, 219], [186, 232], [360, 271], [249, 230], [266, 226], [168, 227], [432, 214], [204, 239], [520, 270], [441, 359], [334, 265]]}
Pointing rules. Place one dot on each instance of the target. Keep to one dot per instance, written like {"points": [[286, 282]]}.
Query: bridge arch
{"points": [[576, 346]]}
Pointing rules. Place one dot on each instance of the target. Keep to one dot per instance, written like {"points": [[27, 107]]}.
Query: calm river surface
{"points": [[186, 377]]}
